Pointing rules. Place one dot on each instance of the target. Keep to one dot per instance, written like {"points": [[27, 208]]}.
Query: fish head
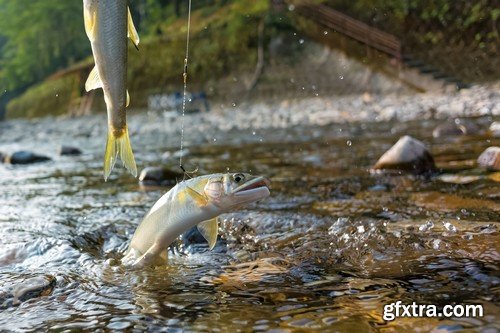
{"points": [[232, 190]]}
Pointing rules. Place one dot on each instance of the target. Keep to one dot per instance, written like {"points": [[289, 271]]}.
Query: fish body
{"points": [[198, 201], [108, 23]]}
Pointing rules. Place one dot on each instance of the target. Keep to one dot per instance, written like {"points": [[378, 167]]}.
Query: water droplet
{"points": [[301, 41], [450, 227], [341, 77], [325, 32], [234, 105], [348, 142]]}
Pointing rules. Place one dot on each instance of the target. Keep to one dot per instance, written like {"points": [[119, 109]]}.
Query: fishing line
{"points": [[184, 94]]}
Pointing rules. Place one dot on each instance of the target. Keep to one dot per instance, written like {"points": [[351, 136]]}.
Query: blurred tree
{"points": [[38, 38]]}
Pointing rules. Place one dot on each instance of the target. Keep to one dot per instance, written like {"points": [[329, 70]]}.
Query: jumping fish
{"points": [[198, 201], [108, 23]]}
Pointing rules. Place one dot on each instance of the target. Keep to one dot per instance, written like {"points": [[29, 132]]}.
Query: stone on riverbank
{"points": [[23, 157], [158, 176], [490, 159], [408, 154], [69, 150], [25, 289]]}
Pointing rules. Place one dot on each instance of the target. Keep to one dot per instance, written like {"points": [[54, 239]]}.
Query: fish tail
{"points": [[119, 145]]}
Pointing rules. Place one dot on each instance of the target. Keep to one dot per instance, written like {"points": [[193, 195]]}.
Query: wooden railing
{"points": [[350, 27]]}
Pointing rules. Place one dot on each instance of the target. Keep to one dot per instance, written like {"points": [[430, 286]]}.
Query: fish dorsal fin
{"points": [[90, 20], [94, 81], [128, 100], [132, 32], [209, 230], [200, 199]]}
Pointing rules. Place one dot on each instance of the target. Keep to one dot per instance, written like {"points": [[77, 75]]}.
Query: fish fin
{"points": [[153, 256], [199, 198], [209, 230], [132, 32], [90, 20], [93, 81], [128, 100], [119, 146]]}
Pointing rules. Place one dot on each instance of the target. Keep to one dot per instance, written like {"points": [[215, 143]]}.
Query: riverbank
{"points": [[478, 101]]}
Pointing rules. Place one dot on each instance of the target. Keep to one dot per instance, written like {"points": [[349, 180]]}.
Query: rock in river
{"points": [[26, 288], [494, 129], [455, 128], [24, 157], [490, 159], [69, 150], [408, 154], [159, 176]]}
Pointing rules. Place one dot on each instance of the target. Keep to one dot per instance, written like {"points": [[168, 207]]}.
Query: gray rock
{"points": [[24, 157], [408, 154], [68, 150], [494, 129], [159, 176], [490, 159], [27, 288]]}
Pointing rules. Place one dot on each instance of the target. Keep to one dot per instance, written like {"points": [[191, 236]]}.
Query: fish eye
{"points": [[238, 177]]}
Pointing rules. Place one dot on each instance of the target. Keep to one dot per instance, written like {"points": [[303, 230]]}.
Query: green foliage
{"points": [[223, 41], [39, 37], [49, 97]]}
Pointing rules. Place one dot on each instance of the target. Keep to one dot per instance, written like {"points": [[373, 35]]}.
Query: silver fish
{"points": [[108, 23], [197, 201]]}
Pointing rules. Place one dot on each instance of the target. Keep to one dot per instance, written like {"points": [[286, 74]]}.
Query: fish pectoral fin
{"points": [[119, 146], [132, 32], [90, 20], [93, 81], [128, 100], [200, 199], [209, 230]]}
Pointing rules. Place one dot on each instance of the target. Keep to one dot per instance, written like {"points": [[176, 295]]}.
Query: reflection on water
{"points": [[329, 248]]}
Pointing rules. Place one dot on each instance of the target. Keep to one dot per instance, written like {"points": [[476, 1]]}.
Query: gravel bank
{"points": [[318, 111]]}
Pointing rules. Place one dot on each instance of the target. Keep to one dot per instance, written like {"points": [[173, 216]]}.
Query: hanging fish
{"points": [[108, 23]]}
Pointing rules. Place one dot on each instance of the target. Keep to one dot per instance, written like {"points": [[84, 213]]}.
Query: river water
{"points": [[325, 252]]}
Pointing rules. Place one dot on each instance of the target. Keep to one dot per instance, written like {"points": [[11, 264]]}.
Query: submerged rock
{"points": [[490, 159], [68, 150], [25, 289], [455, 128], [408, 154], [24, 157], [159, 176]]}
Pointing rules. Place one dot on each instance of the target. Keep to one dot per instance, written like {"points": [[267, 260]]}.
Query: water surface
{"points": [[330, 247]]}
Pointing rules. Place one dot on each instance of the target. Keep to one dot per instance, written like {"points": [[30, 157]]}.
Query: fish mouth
{"points": [[257, 183]]}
